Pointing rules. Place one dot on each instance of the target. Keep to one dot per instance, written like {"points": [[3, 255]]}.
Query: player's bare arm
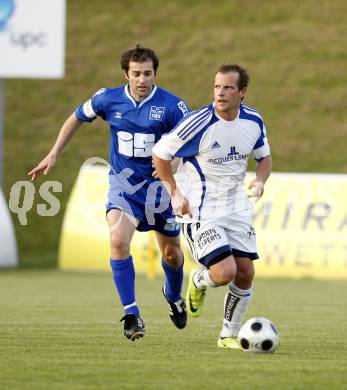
{"points": [[263, 171], [179, 203], [65, 134], [174, 166]]}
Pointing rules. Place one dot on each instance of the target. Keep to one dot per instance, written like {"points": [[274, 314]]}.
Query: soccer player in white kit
{"points": [[209, 197]]}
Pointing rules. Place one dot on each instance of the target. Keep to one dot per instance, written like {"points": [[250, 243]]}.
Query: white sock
{"points": [[236, 302], [202, 279]]}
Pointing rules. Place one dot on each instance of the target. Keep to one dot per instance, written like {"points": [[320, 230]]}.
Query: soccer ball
{"points": [[258, 335]]}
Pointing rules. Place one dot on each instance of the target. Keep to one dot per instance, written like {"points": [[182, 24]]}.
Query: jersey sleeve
{"points": [[180, 110], [261, 148], [92, 108], [184, 140]]}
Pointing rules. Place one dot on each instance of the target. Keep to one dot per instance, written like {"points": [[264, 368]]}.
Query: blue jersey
{"points": [[135, 128]]}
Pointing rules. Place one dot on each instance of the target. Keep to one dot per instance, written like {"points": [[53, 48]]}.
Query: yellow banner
{"points": [[301, 225]]}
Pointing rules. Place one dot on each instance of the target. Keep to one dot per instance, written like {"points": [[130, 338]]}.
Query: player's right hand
{"points": [[43, 167], [257, 189], [180, 205]]}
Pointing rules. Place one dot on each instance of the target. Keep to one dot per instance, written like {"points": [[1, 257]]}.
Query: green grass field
{"points": [[60, 330]]}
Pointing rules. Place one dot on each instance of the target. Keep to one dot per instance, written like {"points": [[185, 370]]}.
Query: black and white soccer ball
{"points": [[258, 335]]}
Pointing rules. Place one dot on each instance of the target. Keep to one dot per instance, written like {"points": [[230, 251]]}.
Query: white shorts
{"points": [[212, 240]]}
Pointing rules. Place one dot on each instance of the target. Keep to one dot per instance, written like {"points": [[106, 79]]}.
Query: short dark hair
{"points": [[138, 54], [243, 74]]}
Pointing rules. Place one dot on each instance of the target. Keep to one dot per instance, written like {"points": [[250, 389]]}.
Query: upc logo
{"points": [[6, 11]]}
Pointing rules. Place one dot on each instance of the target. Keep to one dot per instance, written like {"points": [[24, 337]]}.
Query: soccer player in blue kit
{"points": [[138, 114]]}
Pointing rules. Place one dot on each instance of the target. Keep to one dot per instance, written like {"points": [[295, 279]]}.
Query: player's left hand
{"points": [[257, 189], [174, 165], [180, 205]]}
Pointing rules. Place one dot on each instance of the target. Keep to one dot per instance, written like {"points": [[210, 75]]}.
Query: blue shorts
{"points": [[162, 222]]}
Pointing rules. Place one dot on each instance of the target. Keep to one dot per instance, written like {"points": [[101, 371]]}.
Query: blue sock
{"points": [[124, 280], [173, 281]]}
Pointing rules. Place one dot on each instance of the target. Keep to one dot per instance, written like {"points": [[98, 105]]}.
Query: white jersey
{"points": [[214, 155]]}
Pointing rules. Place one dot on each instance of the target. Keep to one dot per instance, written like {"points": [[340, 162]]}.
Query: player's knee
{"points": [[225, 278], [173, 256], [119, 245], [223, 275], [245, 275]]}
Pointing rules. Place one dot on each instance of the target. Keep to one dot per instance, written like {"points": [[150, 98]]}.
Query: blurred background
{"points": [[296, 54]]}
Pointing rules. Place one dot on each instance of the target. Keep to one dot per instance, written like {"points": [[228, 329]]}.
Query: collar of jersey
{"points": [[221, 118], [149, 97]]}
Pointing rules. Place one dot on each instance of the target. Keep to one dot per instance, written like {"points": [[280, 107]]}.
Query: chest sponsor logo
{"points": [[135, 144], [233, 155], [156, 113], [233, 151]]}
